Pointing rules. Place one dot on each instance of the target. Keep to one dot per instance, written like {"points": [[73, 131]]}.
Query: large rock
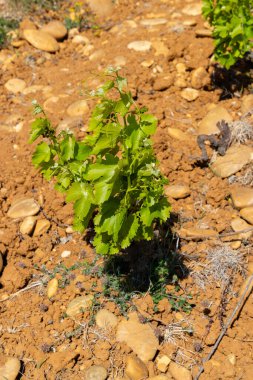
{"points": [[153, 21], [78, 304], [78, 108], [161, 377], [23, 207], [177, 191], [28, 224], [135, 368], [247, 214], [208, 124], [139, 337], [178, 372], [102, 8], [239, 224], [10, 370], [15, 85], [96, 372], [199, 78], [105, 319], [56, 29], [247, 103], [189, 94], [140, 46], [192, 9], [242, 197], [42, 226], [41, 40], [235, 159]]}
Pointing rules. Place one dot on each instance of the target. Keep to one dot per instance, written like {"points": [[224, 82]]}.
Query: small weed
{"points": [[81, 18], [6, 25], [176, 331]]}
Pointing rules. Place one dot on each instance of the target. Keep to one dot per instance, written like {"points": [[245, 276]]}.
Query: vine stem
{"points": [[230, 321]]}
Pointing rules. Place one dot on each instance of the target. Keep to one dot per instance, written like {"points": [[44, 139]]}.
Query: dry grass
{"points": [[242, 130], [176, 331], [222, 264], [246, 179]]}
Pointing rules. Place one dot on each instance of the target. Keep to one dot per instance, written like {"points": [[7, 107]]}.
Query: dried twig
{"points": [[230, 321], [28, 287], [51, 219]]}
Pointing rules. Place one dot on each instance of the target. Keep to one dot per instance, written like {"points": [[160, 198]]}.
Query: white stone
{"points": [[140, 46]]}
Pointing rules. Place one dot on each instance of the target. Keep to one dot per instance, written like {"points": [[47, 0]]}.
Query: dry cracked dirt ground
{"points": [[156, 312]]}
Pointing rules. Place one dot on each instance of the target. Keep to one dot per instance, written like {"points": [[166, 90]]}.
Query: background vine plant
{"points": [[232, 24], [112, 176]]}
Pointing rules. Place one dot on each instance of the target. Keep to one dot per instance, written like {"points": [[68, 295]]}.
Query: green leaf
{"points": [[148, 124], [41, 154], [83, 151], [67, 147], [96, 171], [39, 127], [159, 210], [80, 190], [129, 230]]}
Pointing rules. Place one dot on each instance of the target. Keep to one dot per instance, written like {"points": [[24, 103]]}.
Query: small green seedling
{"points": [[112, 176], [232, 24]]}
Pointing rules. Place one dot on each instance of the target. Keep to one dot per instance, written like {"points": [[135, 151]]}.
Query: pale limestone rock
{"points": [[105, 319], [247, 214], [27, 226], [102, 8], [95, 372], [199, 78], [41, 227], [177, 191], [135, 368], [15, 85], [56, 29], [232, 359], [208, 126], [235, 159], [242, 197], [10, 370], [239, 224], [139, 337], [41, 40], [153, 21], [162, 363], [179, 372], [23, 207], [177, 134], [77, 304], [78, 108], [161, 377], [52, 287], [189, 94], [140, 46], [197, 232], [203, 33], [80, 40], [192, 9]]}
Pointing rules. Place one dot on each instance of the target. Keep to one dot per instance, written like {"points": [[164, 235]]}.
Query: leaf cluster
{"points": [[112, 176], [232, 24], [6, 25]]}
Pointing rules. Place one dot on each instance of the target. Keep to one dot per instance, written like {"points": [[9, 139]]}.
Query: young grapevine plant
{"points": [[232, 22], [112, 176]]}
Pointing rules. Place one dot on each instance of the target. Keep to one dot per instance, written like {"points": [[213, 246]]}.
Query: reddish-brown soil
{"points": [[34, 328]]}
